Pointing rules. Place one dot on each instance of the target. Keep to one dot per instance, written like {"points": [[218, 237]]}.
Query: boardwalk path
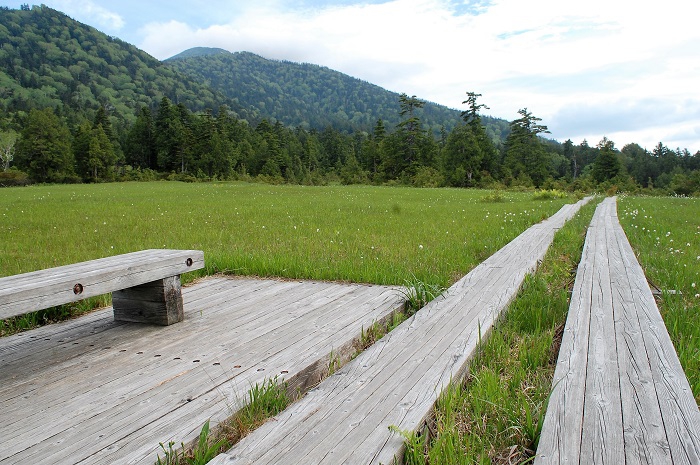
{"points": [[395, 382], [620, 395], [93, 391]]}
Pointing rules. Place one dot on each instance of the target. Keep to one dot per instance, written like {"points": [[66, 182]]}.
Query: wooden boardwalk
{"points": [[619, 393], [96, 391], [395, 382]]}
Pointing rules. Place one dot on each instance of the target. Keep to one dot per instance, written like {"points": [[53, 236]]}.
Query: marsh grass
{"points": [[365, 234], [265, 400], [417, 294], [204, 450], [495, 414], [665, 234], [550, 194], [378, 330]]}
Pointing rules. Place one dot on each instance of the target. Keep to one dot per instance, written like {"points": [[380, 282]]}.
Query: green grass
{"points": [[495, 415], [204, 450], [665, 234], [265, 400], [366, 234]]}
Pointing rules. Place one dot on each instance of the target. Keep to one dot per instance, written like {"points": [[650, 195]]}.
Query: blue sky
{"points": [[624, 69]]}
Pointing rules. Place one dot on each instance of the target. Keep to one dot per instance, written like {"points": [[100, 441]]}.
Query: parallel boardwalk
{"points": [[93, 390], [395, 382], [619, 393]]}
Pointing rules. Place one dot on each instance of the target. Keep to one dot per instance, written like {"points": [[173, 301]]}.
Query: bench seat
{"points": [[145, 285]]}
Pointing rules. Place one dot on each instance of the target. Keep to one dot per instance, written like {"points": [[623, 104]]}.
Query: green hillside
{"points": [[307, 95], [48, 60]]}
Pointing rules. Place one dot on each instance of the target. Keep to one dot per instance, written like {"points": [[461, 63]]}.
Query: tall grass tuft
{"points": [[204, 450], [418, 293], [265, 400]]}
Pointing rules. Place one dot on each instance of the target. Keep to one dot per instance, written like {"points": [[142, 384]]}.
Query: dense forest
{"points": [[79, 106], [309, 96]]}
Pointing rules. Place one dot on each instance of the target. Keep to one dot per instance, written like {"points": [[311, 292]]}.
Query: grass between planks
{"points": [[265, 400], [494, 415]]}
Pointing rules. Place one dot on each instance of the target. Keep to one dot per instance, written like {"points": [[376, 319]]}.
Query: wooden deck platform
{"points": [[96, 391], [395, 382], [619, 393]]}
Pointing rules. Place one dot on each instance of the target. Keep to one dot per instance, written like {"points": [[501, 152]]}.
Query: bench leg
{"points": [[158, 302]]}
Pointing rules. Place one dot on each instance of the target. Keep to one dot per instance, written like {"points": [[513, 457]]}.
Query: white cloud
{"points": [[551, 56], [92, 13]]}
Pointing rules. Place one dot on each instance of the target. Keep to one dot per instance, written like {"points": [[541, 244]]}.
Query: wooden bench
{"points": [[619, 394], [145, 285]]}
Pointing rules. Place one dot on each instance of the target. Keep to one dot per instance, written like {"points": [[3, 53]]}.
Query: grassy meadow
{"points": [[665, 234], [363, 234], [381, 235]]}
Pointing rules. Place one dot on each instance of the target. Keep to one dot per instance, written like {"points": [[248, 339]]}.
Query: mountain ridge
{"points": [[48, 59], [309, 95]]}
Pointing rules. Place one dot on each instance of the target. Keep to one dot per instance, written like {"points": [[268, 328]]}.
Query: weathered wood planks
{"points": [[42, 289], [395, 382], [98, 391], [619, 393]]}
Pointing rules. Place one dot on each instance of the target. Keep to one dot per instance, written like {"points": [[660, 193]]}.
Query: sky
{"points": [[628, 70]]}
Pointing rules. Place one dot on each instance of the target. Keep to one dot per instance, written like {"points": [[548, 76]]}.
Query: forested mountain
{"points": [[48, 60], [310, 96], [79, 106]]}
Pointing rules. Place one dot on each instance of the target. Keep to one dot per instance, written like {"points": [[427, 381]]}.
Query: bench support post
{"points": [[158, 302]]}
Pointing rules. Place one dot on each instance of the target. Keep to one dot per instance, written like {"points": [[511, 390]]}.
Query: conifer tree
{"points": [[606, 165], [525, 154], [44, 147]]}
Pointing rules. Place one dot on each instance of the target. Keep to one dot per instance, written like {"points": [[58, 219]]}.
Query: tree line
{"points": [[176, 143]]}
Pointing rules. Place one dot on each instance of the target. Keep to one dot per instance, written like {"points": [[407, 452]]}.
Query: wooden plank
{"points": [[602, 436], [139, 400], [195, 407], [396, 381], [55, 286], [645, 439], [561, 431], [679, 411], [158, 302], [120, 382], [637, 405], [293, 361]]}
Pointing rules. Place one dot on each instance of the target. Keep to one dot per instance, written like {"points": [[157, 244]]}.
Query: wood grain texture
{"points": [[395, 382], [96, 391], [158, 302], [42, 289], [625, 399]]}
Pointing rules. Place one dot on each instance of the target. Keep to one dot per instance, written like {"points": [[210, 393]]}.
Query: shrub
{"points": [[13, 177], [550, 194], [428, 177]]}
